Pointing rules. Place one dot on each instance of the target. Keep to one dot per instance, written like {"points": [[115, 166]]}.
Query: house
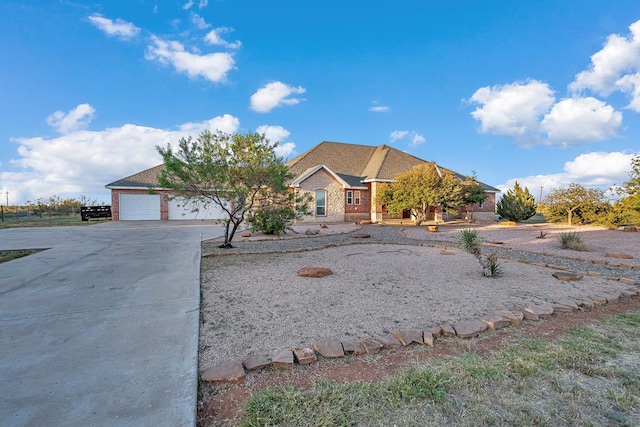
{"points": [[139, 197], [342, 179]]}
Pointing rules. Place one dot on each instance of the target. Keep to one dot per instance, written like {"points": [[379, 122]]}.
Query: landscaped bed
{"points": [[256, 304]]}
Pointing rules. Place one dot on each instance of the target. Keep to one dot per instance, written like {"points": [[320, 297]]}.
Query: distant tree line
{"points": [[55, 205]]}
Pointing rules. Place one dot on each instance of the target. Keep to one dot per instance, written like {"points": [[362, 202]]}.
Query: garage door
{"points": [[179, 209], [139, 207]]}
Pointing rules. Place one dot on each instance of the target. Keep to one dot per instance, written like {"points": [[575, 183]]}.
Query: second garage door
{"points": [[179, 209], [139, 207]]}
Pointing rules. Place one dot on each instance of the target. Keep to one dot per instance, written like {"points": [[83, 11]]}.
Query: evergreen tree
{"points": [[517, 204]]}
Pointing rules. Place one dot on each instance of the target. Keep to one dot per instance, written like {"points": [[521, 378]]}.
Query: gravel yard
{"points": [[253, 302]]}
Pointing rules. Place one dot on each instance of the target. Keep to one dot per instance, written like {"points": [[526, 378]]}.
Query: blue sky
{"points": [[545, 92]]}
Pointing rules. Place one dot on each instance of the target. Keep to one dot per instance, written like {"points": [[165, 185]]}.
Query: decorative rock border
{"points": [[285, 360], [234, 371]]}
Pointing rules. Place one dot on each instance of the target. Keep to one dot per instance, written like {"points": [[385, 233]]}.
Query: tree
{"points": [[233, 171], [421, 187], [517, 204], [576, 200], [631, 188], [472, 193]]}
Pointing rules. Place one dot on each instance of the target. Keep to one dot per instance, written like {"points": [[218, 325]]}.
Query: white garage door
{"points": [[139, 207], [179, 209]]}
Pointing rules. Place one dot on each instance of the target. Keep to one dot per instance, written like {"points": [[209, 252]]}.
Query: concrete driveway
{"points": [[101, 329]]}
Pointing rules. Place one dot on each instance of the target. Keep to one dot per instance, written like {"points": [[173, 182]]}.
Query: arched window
{"points": [[321, 203]]}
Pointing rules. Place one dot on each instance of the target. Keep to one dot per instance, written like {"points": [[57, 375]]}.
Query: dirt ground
{"points": [[218, 405]]}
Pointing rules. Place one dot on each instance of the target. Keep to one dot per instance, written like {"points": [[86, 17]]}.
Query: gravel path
{"points": [[253, 302]]}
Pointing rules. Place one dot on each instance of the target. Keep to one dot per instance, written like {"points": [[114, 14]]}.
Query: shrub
{"points": [[271, 220], [517, 204], [572, 240], [469, 240]]}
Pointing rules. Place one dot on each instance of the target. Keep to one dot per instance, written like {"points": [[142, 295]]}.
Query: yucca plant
{"points": [[572, 240], [469, 240]]}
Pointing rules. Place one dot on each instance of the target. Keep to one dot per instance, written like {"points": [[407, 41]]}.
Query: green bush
{"points": [[572, 240], [517, 204], [271, 220]]}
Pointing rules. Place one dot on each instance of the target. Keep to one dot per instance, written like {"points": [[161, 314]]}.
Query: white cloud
{"points": [[278, 134], [275, 94], [212, 66], [225, 123], [576, 120], [595, 169], [199, 21], [213, 37], [188, 5], [512, 109], [118, 28], [416, 140], [616, 67], [379, 108], [83, 162], [414, 137], [203, 4], [73, 120], [397, 135]]}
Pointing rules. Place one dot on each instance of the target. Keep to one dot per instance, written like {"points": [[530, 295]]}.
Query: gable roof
{"points": [[364, 161], [353, 164], [146, 179], [356, 164]]}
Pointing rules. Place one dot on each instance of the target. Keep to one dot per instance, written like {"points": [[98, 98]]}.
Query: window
{"points": [[357, 197], [349, 197], [321, 203], [480, 205]]}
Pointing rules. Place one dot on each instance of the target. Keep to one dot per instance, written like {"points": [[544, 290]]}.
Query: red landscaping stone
{"points": [[568, 303], [447, 330], [283, 360], [314, 272], [628, 293], [612, 296], [389, 341], [598, 300], [324, 226], [354, 348], [435, 331], [428, 338], [496, 321], [586, 302], [408, 337], [245, 234], [535, 312], [629, 228], [629, 282], [433, 228], [254, 362], [305, 356], [513, 318], [329, 349], [620, 256], [371, 346], [566, 276], [227, 372], [469, 329]]}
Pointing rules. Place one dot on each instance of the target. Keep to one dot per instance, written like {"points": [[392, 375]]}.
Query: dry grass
{"points": [[591, 377]]}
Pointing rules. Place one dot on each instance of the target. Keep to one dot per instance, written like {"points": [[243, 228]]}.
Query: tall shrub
{"points": [[517, 204]]}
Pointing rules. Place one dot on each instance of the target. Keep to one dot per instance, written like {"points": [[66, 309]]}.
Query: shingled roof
{"points": [[354, 163], [364, 161], [360, 162], [145, 179]]}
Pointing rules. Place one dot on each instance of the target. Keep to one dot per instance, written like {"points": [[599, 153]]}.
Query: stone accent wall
{"points": [[321, 180]]}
